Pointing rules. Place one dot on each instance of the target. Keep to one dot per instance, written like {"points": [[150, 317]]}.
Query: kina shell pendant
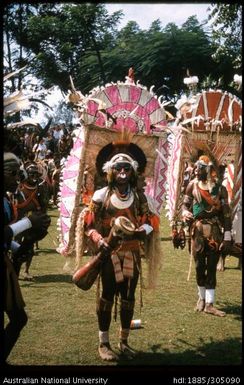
{"points": [[121, 204]]}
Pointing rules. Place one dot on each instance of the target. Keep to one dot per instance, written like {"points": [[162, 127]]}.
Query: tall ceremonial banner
{"points": [[157, 189], [237, 180], [175, 177], [211, 122], [70, 188], [104, 113]]}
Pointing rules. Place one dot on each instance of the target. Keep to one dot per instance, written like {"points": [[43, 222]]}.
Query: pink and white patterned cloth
{"points": [[127, 105]]}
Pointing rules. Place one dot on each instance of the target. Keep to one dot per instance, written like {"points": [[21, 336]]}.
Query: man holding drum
{"points": [[121, 269]]}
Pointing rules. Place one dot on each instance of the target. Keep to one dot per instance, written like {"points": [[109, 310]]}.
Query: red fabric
{"points": [[89, 218], [154, 222], [31, 197], [206, 195]]}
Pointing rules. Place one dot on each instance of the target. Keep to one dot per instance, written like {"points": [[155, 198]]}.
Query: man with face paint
{"points": [[206, 207], [121, 270], [13, 300], [31, 196]]}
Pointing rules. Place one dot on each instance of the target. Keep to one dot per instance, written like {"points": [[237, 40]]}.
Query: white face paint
{"points": [[122, 175]]}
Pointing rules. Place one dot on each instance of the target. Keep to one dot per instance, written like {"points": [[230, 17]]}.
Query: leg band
{"points": [[104, 305], [127, 305], [103, 337], [210, 295], [124, 334]]}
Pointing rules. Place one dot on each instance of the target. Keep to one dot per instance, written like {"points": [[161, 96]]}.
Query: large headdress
{"points": [[121, 151], [203, 161]]}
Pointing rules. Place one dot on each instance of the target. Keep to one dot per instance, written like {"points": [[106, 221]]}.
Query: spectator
{"points": [[13, 300], [40, 149], [31, 196]]}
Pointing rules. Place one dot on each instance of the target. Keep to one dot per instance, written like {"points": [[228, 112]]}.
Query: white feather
{"points": [[160, 99], [6, 77], [230, 112], [165, 103]]}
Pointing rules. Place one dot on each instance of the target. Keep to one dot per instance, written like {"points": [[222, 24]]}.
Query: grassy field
{"points": [[62, 327]]}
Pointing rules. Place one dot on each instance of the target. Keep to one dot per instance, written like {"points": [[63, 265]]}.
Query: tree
{"points": [[81, 41], [62, 38], [226, 28], [15, 56]]}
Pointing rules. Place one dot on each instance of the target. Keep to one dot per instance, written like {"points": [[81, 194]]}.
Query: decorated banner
{"points": [[104, 114], [209, 121]]}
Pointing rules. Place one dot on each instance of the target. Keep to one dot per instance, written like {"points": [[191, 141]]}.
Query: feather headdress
{"points": [[121, 150], [120, 158]]}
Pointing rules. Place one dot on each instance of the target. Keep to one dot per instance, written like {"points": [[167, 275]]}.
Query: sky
{"points": [[144, 13]]}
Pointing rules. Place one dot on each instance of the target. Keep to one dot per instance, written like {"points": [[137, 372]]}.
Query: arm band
{"points": [[147, 228], [14, 246], [21, 226], [94, 236], [227, 236]]}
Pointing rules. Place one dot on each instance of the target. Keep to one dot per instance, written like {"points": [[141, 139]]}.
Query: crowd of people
{"points": [[33, 159], [52, 139]]}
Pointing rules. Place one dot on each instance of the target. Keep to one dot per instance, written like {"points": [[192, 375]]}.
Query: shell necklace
{"points": [[122, 201]]}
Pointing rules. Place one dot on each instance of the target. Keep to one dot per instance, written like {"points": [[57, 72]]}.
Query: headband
{"points": [[120, 158]]}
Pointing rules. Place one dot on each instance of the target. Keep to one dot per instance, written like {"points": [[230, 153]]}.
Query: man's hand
{"points": [[102, 244], [40, 223], [187, 215], [225, 247], [139, 234]]}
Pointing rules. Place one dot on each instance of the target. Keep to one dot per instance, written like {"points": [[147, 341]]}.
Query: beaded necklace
{"points": [[123, 196]]}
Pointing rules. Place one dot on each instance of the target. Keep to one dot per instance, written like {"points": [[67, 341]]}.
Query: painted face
{"points": [[33, 176], [122, 172], [11, 177], [201, 171]]}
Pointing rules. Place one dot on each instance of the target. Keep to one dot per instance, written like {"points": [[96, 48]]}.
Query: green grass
{"points": [[62, 326]]}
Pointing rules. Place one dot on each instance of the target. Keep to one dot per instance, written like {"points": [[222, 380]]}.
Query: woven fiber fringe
{"points": [[79, 239], [153, 254]]}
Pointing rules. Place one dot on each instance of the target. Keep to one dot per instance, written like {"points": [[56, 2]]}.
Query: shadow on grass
{"points": [[226, 352], [232, 309], [38, 252], [50, 278], [232, 268]]}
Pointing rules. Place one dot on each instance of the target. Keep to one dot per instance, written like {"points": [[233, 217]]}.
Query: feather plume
{"points": [[124, 139], [11, 74], [27, 122]]}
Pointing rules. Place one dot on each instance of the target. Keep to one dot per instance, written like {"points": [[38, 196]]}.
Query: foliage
{"points": [[227, 32], [60, 37], [82, 41], [14, 19]]}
